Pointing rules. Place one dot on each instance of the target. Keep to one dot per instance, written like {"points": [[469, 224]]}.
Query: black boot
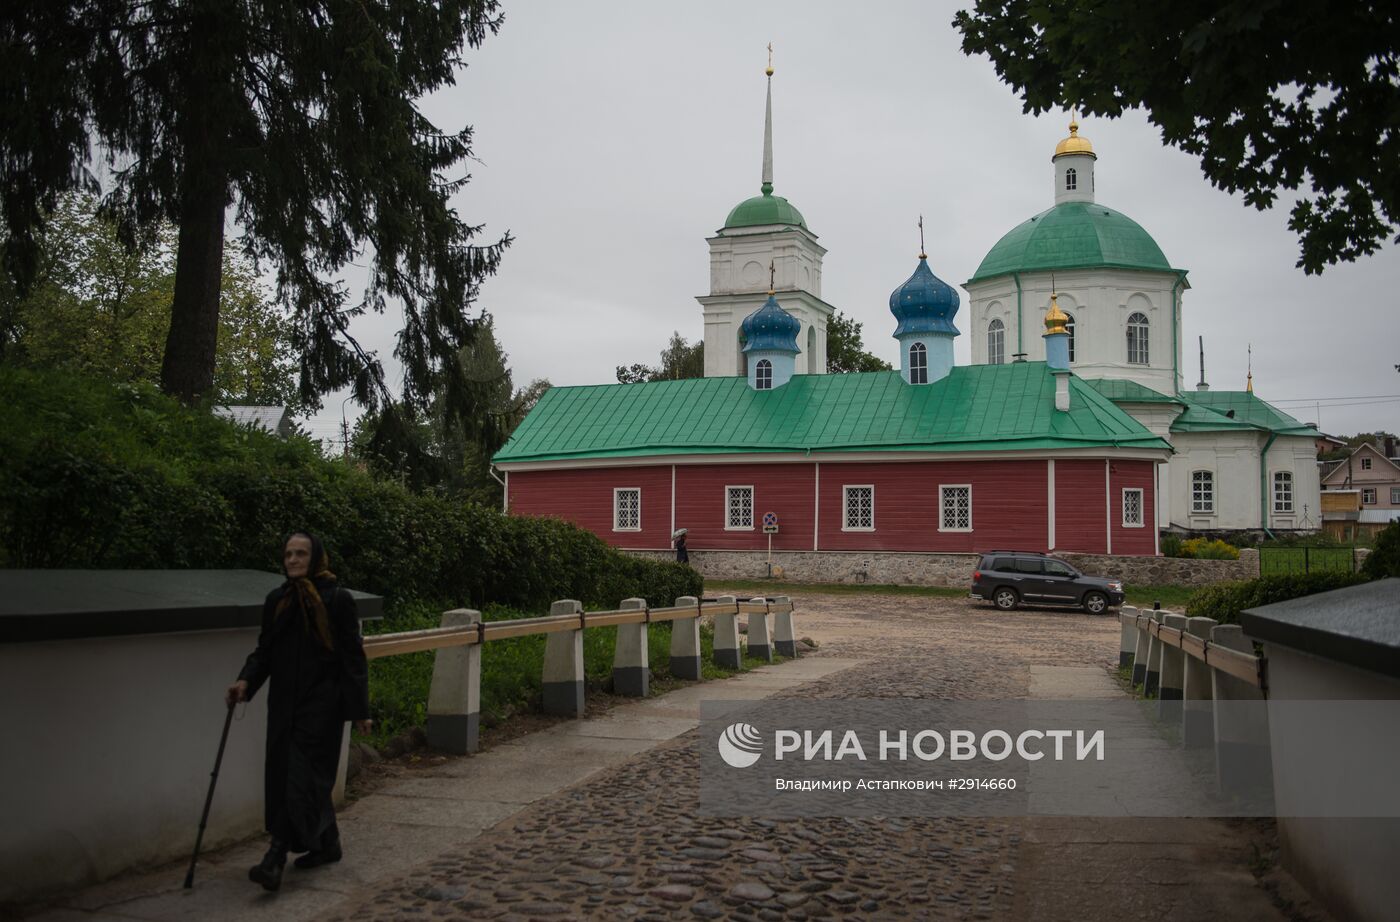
{"points": [[268, 872], [328, 853]]}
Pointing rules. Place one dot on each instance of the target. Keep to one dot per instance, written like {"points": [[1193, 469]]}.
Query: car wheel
{"points": [[1005, 599], [1096, 603]]}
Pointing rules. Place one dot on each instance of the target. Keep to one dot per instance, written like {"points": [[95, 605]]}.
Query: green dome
{"points": [[764, 209], [1074, 235]]}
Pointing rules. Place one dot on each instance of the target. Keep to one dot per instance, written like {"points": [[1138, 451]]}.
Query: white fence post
{"points": [[1154, 659], [1128, 635], [563, 665], [1198, 712], [727, 653], [1241, 727], [454, 697], [631, 660], [1140, 648], [1173, 674], [759, 643], [685, 642], [784, 641]]}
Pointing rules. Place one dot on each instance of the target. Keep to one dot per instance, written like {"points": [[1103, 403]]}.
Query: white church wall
{"points": [[1233, 458], [1296, 455], [1100, 300]]}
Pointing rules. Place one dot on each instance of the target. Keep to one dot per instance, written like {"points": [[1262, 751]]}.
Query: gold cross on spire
{"points": [[769, 71], [772, 272], [922, 253]]}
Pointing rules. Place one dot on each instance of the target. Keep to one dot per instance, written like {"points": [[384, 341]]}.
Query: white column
{"points": [[1108, 505], [1050, 502]]}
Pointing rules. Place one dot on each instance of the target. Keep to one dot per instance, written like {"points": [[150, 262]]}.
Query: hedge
{"points": [[1225, 601], [103, 476]]}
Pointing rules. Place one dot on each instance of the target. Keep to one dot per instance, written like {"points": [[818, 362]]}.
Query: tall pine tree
{"points": [[302, 118]]}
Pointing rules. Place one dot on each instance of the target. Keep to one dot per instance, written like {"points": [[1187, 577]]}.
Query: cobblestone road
{"points": [[626, 845]]}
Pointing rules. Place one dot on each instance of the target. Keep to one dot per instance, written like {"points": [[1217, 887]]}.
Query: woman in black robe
{"points": [[310, 648]]}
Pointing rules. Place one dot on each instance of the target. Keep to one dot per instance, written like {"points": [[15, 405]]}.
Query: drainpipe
{"points": [[1264, 485], [1176, 289], [1016, 277], [505, 495]]}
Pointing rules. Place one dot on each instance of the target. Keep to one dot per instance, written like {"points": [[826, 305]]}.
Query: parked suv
{"points": [[1008, 578]]}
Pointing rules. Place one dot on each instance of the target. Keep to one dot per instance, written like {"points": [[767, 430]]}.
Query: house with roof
{"points": [[1369, 478], [1069, 431], [277, 420]]}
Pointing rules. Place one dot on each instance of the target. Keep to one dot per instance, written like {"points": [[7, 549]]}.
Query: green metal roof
{"points": [[1074, 235], [975, 408], [764, 209], [1123, 391], [1207, 411]]}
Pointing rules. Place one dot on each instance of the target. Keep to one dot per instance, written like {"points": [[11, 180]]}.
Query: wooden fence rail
{"points": [[455, 697], [1200, 671]]}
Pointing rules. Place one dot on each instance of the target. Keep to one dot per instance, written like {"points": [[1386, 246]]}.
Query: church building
{"points": [[1076, 441]]}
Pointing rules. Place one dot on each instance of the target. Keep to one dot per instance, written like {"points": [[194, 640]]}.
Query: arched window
{"points": [[918, 364], [1071, 179], [812, 368], [1069, 328], [1283, 491], [996, 342], [763, 375], [1137, 339]]}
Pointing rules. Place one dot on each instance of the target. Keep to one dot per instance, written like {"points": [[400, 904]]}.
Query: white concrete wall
{"points": [[725, 313], [1349, 862], [1234, 457], [1100, 300], [109, 743]]}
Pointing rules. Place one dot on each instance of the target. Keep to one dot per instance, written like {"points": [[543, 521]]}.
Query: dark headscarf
{"points": [[304, 590]]}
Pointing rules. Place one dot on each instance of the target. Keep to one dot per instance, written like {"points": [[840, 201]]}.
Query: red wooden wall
{"points": [[1010, 506]]}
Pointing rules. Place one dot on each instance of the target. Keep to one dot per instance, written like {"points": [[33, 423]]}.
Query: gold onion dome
{"points": [[1055, 319], [1074, 144]]}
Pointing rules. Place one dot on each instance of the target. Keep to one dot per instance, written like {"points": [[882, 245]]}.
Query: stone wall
{"points": [[949, 569]]}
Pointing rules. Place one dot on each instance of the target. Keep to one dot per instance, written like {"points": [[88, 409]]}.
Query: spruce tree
{"points": [[299, 120]]}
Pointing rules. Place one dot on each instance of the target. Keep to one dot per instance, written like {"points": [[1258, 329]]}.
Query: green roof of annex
{"points": [[976, 408], [1074, 235], [1208, 411]]}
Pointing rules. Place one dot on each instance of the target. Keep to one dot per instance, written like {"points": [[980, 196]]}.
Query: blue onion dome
{"points": [[924, 304], [771, 329]]}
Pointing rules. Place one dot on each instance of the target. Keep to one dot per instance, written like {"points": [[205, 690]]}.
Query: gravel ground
{"points": [[626, 845]]}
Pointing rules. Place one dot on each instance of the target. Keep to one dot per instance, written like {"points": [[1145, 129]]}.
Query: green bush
{"points": [[1225, 601], [104, 476], [1384, 559], [1202, 549], [1171, 545]]}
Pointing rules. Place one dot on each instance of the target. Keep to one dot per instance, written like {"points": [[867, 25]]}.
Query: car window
{"points": [[1027, 565], [1055, 568], [1003, 565]]}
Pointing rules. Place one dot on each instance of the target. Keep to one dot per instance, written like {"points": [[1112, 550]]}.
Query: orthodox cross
{"points": [[770, 57], [923, 254], [772, 271]]}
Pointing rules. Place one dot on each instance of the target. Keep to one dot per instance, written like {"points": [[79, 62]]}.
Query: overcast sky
{"points": [[615, 137]]}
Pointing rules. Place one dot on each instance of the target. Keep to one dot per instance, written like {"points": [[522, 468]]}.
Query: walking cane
{"points": [[213, 779]]}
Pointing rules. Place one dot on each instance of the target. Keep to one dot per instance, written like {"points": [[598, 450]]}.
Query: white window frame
{"points": [[943, 489], [846, 506], [617, 508], [1365, 464], [1071, 179], [763, 375], [1368, 491], [1283, 507], [1395, 496], [1207, 507], [1069, 328], [1141, 507], [729, 508], [918, 371], [1138, 333], [996, 356]]}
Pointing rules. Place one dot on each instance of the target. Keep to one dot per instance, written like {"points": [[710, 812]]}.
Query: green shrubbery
{"points": [[121, 477], [1225, 601], [1384, 559], [104, 476], [1199, 548]]}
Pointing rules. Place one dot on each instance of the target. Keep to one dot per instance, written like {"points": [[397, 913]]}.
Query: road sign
{"points": [[770, 523]]}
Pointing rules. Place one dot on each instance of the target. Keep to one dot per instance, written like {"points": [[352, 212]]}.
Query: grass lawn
{"points": [[1172, 597]]}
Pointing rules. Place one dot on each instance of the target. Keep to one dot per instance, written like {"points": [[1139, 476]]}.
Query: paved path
{"points": [[595, 819]]}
